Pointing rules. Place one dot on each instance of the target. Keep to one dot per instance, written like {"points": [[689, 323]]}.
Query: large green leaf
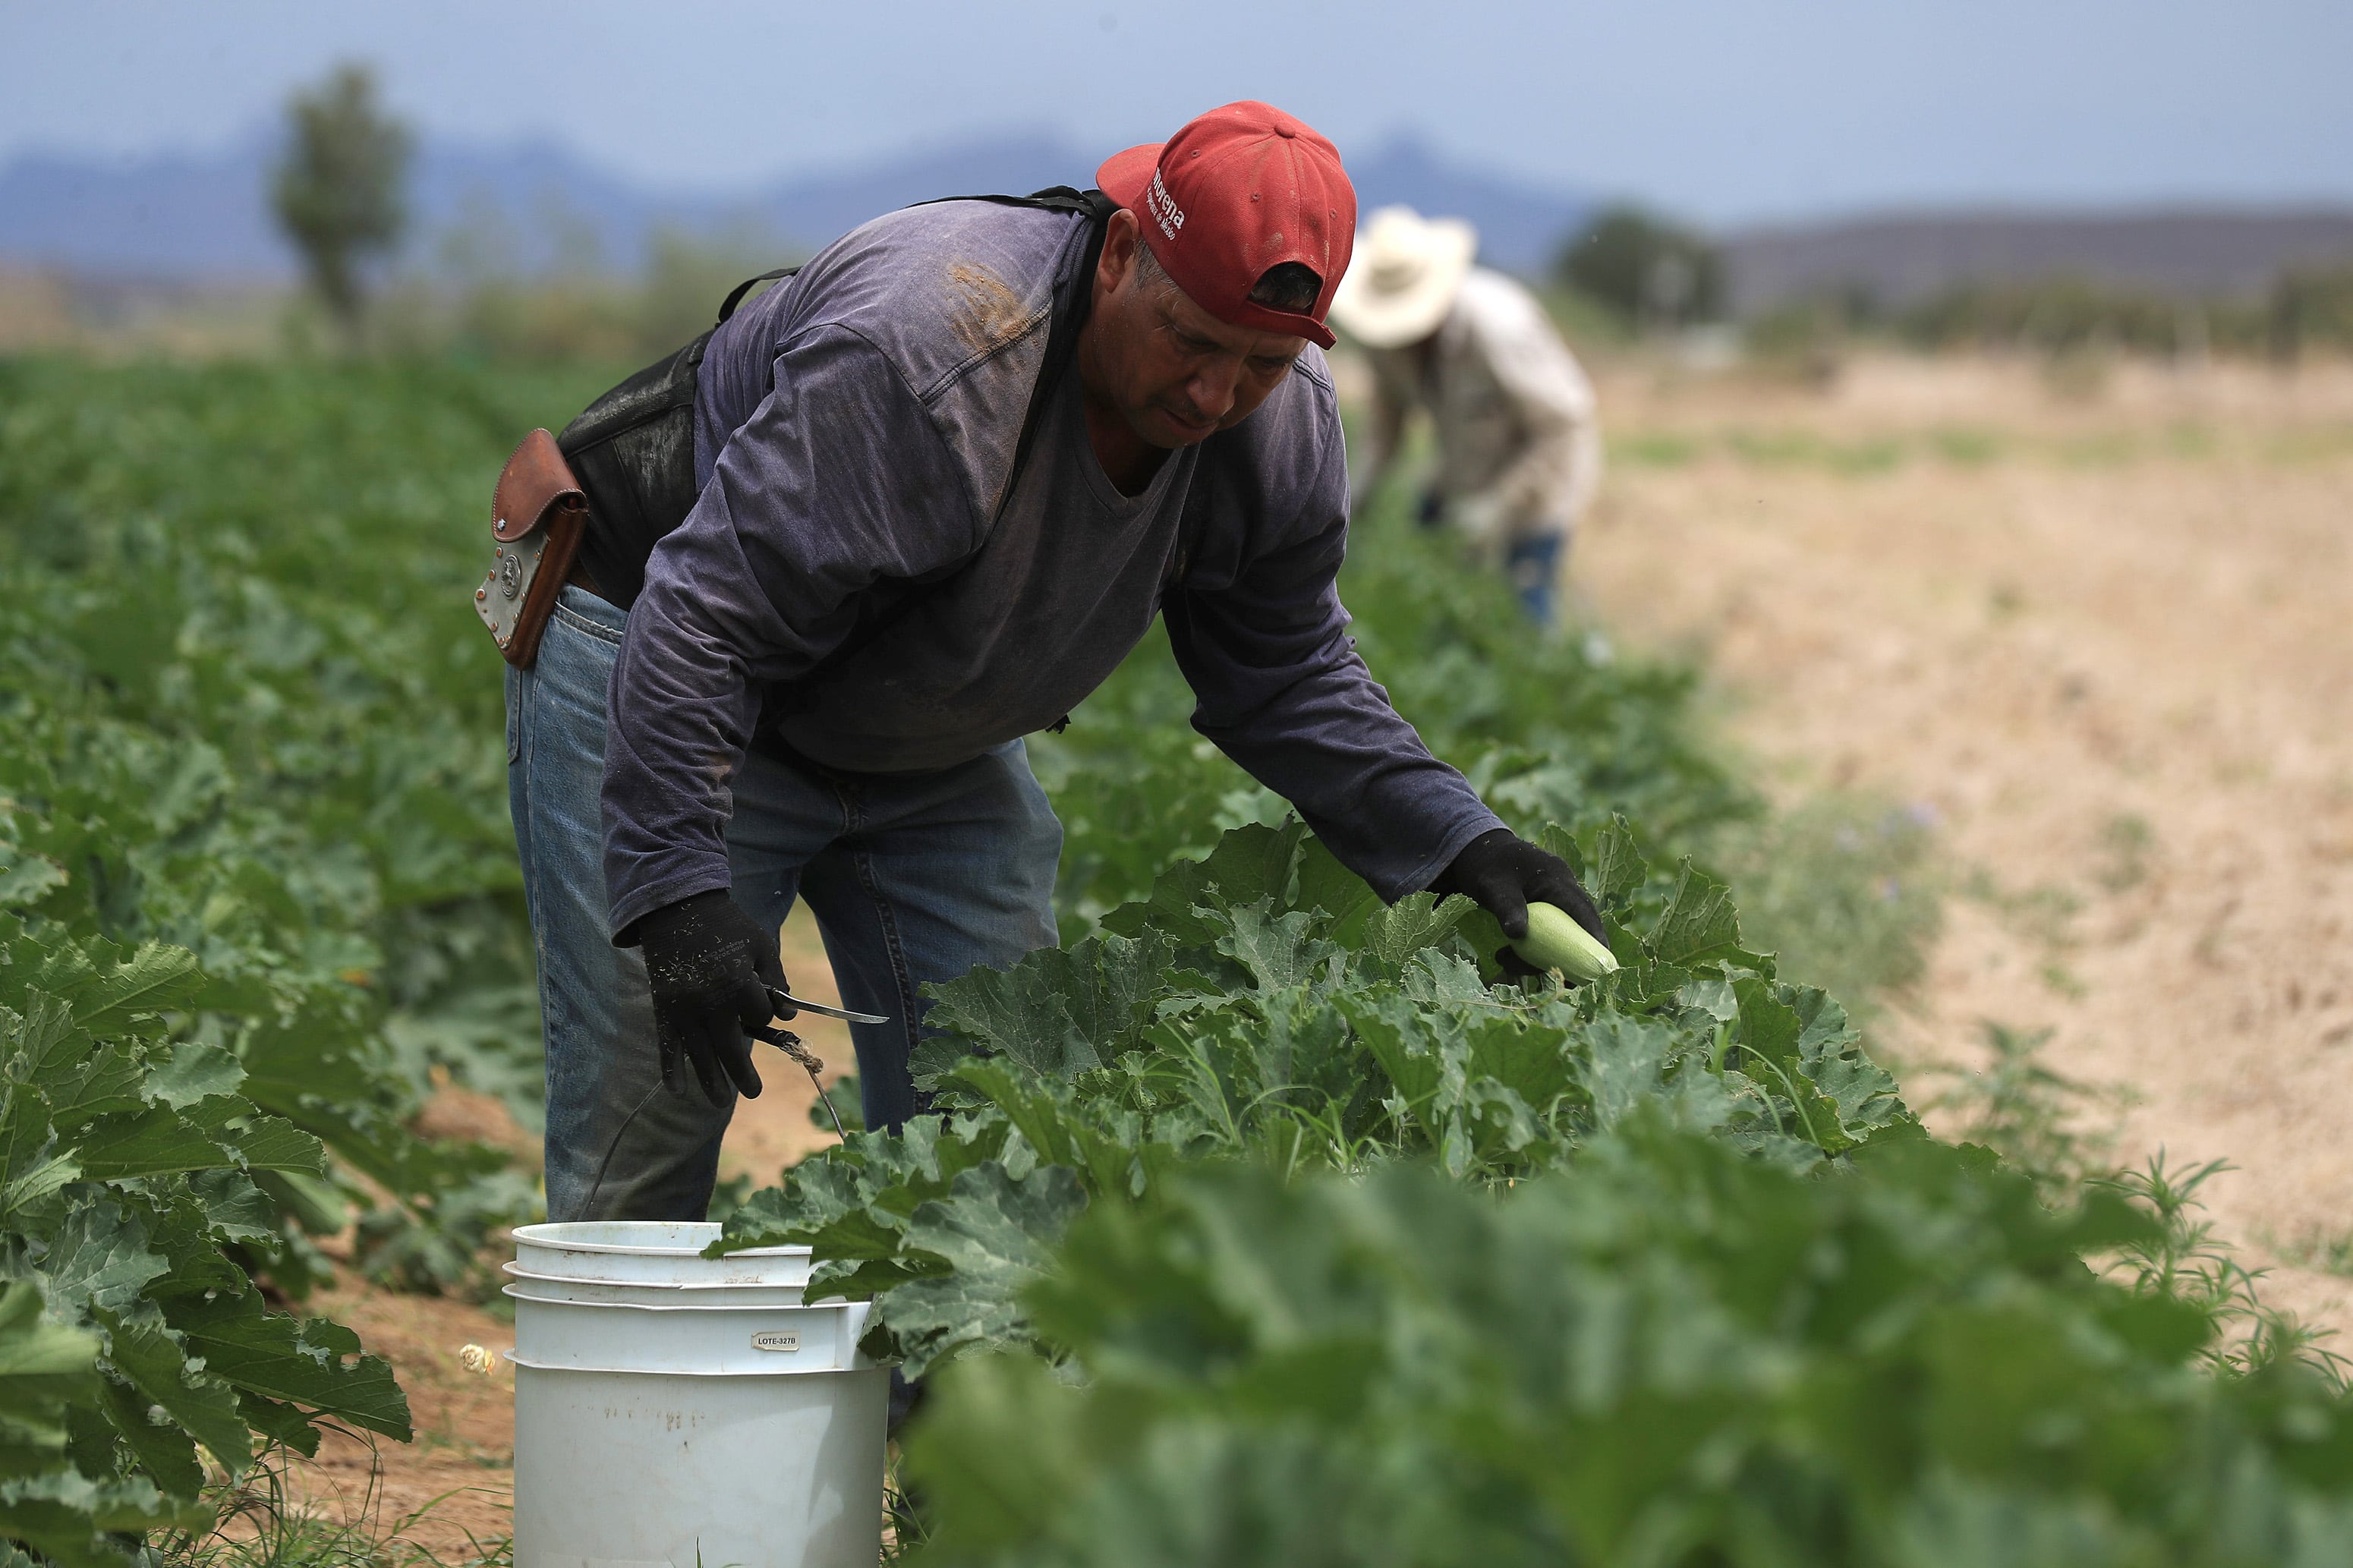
{"points": [[1770, 1030], [1700, 923], [1250, 864], [1322, 882], [308, 1362], [67, 1517], [1418, 921], [77, 1076], [160, 1444], [192, 1073], [1616, 867], [273, 1143], [46, 1371], [995, 1234], [43, 1365], [110, 994], [150, 1143], [1253, 862], [1018, 1013], [97, 1260], [156, 1363], [1278, 952], [1058, 1011], [27, 878], [33, 1167], [1105, 1145]]}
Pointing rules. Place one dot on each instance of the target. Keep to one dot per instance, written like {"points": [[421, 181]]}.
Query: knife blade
{"points": [[786, 1001]]}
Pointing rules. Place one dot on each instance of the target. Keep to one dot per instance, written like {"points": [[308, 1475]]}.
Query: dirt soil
{"points": [[2101, 626]]}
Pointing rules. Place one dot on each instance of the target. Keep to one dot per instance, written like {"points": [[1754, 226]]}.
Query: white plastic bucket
{"points": [[654, 1252], [676, 1418], [528, 1286]]}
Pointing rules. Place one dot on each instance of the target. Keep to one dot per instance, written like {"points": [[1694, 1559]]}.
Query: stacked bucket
{"points": [[676, 1409]]}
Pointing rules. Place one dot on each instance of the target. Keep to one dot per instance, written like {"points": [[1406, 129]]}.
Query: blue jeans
{"points": [[912, 878], [1534, 565]]}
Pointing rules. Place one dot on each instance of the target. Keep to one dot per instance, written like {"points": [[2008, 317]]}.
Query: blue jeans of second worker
{"points": [[912, 878], [1533, 564]]}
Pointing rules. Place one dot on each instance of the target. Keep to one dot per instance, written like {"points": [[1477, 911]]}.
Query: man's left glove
{"points": [[1504, 874], [710, 966]]}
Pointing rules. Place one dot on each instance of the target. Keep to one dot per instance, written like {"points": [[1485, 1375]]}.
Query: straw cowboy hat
{"points": [[1407, 269]]}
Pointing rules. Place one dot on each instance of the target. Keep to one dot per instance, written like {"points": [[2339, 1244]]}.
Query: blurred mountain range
{"points": [[1898, 259], [183, 217]]}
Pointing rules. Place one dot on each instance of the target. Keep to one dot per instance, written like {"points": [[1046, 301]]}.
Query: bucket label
{"points": [[776, 1340]]}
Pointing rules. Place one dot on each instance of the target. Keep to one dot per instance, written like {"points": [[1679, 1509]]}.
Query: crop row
{"points": [[256, 888], [1255, 1222], [251, 781]]}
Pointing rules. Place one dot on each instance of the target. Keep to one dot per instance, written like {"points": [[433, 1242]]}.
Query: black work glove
{"points": [[711, 965], [1504, 874]]}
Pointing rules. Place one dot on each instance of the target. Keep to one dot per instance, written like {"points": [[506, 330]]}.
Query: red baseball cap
{"points": [[1237, 191]]}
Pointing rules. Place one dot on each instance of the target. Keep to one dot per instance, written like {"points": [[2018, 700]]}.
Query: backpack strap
{"points": [[1069, 316], [735, 295], [1063, 335]]}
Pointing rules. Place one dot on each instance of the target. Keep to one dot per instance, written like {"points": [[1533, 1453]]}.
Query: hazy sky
{"points": [[1724, 109]]}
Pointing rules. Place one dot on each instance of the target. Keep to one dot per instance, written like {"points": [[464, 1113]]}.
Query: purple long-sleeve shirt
{"points": [[856, 429]]}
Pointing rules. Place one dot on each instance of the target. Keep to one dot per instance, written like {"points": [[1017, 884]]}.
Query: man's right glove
{"points": [[710, 966], [1504, 874]]}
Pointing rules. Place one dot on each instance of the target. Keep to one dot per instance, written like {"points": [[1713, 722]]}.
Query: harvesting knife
{"points": [[786, 1002]]}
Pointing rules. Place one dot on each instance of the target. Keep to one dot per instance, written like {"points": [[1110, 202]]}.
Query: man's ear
{"points": [[1121, 239]]}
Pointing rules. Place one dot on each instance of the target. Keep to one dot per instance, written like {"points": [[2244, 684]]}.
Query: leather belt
{"points": [[577, 577]]}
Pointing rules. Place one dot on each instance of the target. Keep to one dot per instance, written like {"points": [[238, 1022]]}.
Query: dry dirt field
{"points": [[2103, 628]]}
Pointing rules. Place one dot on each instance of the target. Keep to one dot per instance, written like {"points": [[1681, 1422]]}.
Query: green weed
{"points": [[1654, 449], [2324, 1252], [2059, 1131], [1968, 447], [2127, 844], [264, 1521], [1844, 888], [2186, 1262]]}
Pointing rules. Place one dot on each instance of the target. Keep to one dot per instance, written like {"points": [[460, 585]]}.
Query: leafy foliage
{"points": [[48, 1376], [1665, 1353], [1262, 1003], [256, 885], [242, 712], [130, 1172]]}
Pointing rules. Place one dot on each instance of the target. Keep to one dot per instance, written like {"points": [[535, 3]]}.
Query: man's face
{"points": [[1176, 373]]}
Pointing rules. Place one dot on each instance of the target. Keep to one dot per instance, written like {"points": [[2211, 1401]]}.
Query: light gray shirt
{"points": [[1518, 437]]}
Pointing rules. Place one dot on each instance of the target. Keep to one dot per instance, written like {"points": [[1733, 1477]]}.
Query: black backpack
{"points": [[633, 448]]}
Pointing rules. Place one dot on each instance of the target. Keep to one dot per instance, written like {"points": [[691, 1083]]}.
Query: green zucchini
{"points": [[1556, 941]]}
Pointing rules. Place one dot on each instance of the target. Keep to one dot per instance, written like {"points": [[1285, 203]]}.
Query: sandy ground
{"points": [[2100, 629], [2104, 630]]}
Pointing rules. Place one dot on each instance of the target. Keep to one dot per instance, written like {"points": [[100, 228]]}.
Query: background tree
{"points": [[1646, 268], [339, 191]]}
